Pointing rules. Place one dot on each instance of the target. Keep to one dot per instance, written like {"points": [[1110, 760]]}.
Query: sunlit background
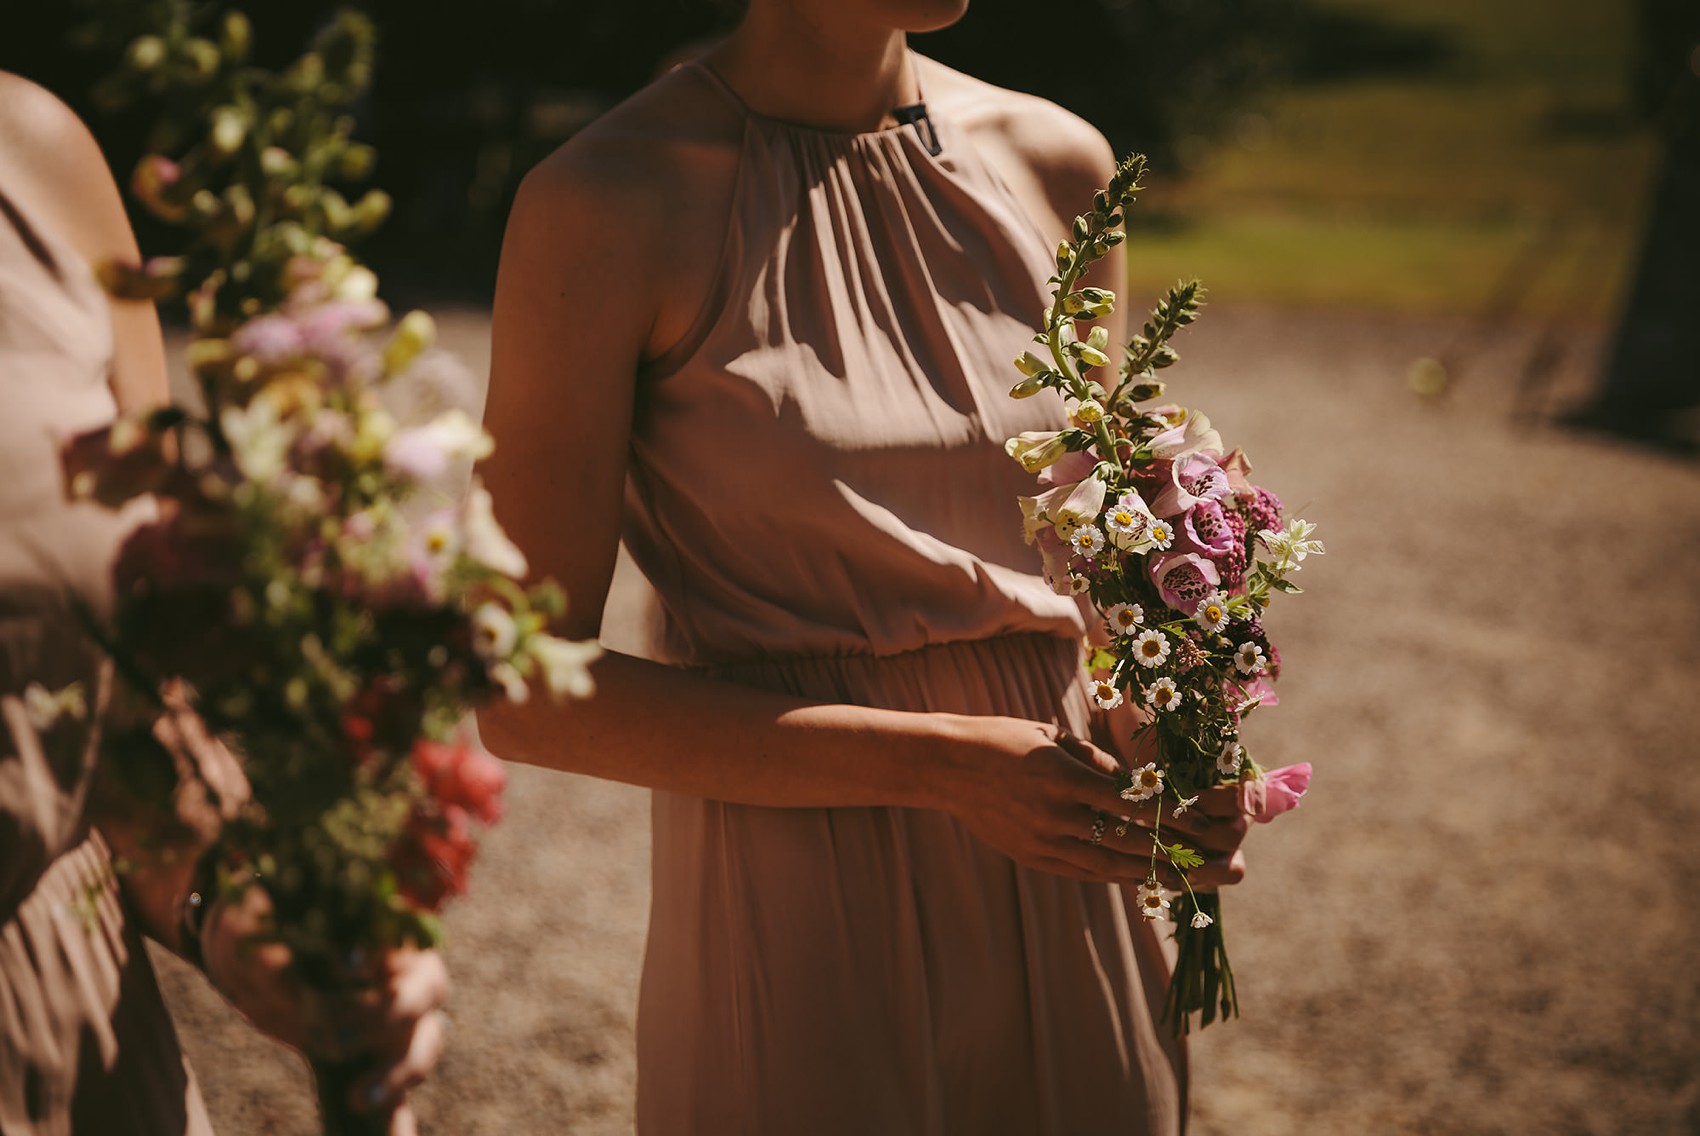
{"points": [[1422, 223]]}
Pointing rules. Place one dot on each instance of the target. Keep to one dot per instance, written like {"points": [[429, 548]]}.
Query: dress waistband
{"points": [[1027, 674]]}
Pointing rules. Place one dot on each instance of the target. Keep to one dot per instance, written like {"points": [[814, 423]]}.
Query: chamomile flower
{"points": [[1185, 803], [1151, 648], [1147, 783], [1088, 541], [1125, 618], [1228, 761], [1162, 695], [1153, 904], [1212, 612], [1201, 921], [1128, 522], [1107, 695], [1161, 535], [1248, 658]]}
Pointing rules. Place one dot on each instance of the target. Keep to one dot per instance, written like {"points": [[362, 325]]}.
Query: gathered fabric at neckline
{"points": [[848, 137]]}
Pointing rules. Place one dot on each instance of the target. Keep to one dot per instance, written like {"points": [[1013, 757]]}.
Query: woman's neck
{"points": [[816, 68]]}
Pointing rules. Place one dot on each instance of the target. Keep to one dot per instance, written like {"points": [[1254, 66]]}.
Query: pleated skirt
{"points": [[859, 971]]}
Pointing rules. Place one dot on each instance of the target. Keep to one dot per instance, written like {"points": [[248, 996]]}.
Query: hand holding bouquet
{"points": [[1143, 513]]}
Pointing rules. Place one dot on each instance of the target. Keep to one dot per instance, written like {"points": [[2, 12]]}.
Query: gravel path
{"points": [[1483, 918]]}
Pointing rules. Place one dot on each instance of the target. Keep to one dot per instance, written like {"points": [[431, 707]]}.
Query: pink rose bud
{"points": [[1277, 791]]}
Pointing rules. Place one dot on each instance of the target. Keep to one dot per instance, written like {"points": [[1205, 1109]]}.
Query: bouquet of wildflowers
{"points": [[333, 607], [1144, 513]]}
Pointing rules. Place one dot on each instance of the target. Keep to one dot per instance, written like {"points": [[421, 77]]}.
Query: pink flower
{"points": [[1277, 791], [1184, 579], [424, 453], [433, 857], [1262, 510], [1193, 479], [1260, 691], [458, 775], [1204, 529], [272, 340], [1191, 433], [1238, 468], [323, 323], [1057, 557]]}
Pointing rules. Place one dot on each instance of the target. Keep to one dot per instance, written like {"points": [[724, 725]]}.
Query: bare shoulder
{"points": [[50, 158], [34, 119], [642, 194], [656, 164], [1041, 149]]}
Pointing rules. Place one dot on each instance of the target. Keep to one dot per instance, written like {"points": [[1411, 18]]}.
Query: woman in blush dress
{"points": [[86, 1045], [758, 321]]}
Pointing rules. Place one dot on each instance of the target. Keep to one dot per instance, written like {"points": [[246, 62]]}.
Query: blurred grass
{"points": [[1517, 160]]}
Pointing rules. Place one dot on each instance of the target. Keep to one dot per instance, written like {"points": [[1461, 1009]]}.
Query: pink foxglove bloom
{"points": [[1184, 579], [1191, 436], [1193, 479], [1204, 528], [1276, 792], [1057, 557], [424, 453]]}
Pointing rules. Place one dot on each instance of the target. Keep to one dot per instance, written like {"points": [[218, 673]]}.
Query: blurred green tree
{"points": [[467, 97]]}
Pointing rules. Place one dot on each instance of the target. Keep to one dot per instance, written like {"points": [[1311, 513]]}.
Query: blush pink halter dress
{"points": [[820, 499]]}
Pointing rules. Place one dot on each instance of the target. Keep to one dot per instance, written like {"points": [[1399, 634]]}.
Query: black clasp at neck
{"points": [[915, 114]]}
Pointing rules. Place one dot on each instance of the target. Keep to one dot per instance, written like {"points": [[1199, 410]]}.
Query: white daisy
{"points": [[1185, 803], [1161, 534], [1162, 695], [1212, 612], [1107, 695], [1078, 584], [1201, 921], [1248, 657], [1088, 540], [1153, 904], [1129, 522], [1228, 761], [1147, 783], [1125, 618], [1151, 648]]}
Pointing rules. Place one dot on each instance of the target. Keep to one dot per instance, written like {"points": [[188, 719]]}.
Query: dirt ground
{"points": [[1483, 919]]}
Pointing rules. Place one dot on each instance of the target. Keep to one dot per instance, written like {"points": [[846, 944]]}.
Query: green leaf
{"points": [[1181, 856]]}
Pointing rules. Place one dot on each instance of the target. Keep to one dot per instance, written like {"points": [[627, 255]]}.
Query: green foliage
{"points": [[1181, 856], [246, 160]]}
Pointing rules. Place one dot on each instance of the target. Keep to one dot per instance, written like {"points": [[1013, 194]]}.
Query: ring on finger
{"points": [[1100, 822]]}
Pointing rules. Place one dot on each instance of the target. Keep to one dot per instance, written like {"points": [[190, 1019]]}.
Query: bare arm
{"points": [[569, 332]]}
